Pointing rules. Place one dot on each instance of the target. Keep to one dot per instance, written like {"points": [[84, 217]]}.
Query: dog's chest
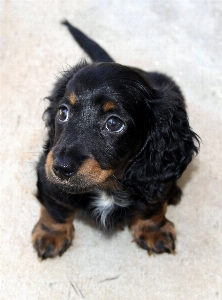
{"points": [[109, 210], [102, 205]]}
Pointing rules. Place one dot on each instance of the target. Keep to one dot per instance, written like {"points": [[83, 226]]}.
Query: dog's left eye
{"points": [[114, 124], [63, 114]]}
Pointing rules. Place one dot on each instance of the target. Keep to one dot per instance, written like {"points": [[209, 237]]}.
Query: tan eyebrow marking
{"points": [[108, 106], [72, 98]]}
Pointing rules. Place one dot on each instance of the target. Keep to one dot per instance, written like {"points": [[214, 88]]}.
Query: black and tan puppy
{"points": [[118, 140]]}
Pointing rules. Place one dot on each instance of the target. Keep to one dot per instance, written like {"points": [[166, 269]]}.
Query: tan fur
{"points": [[108, 106], [150, 232], [48, 232], [49, 162], [72, 98], [92, 169]]}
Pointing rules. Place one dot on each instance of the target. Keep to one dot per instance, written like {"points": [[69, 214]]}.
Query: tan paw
{"points": [[50, 242], [155, 237]]}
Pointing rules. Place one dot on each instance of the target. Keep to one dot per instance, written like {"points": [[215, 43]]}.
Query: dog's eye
{"points": [[63, 114], [114, 124]]}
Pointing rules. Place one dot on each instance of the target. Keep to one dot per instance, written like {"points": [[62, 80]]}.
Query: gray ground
{"points": [[181, 38]]}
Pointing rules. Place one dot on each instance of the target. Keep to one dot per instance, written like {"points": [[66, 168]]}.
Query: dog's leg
{"points": [[156, 234], [50, 237]]}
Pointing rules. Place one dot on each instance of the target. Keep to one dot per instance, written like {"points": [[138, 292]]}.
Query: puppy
{"points": [[118, 140]]}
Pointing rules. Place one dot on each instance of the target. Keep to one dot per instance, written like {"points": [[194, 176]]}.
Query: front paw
{"points": [[50, 242], [155, 238]]}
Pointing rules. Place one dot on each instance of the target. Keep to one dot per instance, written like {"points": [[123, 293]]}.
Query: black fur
{"points": [[147, 156]]}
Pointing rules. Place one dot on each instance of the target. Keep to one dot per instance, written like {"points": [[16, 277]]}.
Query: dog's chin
{"points": [[73, 185], [76, 189]]}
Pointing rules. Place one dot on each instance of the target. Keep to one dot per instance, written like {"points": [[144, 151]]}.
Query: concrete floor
{"points": [[180, 38]]}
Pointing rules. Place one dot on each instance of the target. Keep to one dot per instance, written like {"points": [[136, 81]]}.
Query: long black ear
{"points": [[169, 148]]}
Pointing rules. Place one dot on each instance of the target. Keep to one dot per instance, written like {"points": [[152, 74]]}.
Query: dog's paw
{"points": [[50, 242], [158, 238]]}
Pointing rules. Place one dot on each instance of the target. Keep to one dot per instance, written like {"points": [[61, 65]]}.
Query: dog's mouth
{"points": [[73, 185], [89, 176]]}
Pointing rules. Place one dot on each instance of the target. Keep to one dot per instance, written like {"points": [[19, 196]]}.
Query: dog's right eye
{"points": [[63, 114]]}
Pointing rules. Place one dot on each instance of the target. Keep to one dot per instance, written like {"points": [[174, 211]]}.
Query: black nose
{"points": [[61, 170]]}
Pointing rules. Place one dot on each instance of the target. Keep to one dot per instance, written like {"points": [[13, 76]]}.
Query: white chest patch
{"points": [[103, 205]]}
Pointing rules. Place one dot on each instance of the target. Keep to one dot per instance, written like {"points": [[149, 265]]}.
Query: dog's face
{"points": [[101, 123]]}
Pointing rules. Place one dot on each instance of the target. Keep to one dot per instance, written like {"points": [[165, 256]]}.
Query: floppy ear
{"points": [[169, 147]]}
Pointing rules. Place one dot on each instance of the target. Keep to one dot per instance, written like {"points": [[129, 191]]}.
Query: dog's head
{"points": [[107, 125]]}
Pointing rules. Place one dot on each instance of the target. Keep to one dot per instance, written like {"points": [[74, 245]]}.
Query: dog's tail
{"points": [[95, 52]]}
